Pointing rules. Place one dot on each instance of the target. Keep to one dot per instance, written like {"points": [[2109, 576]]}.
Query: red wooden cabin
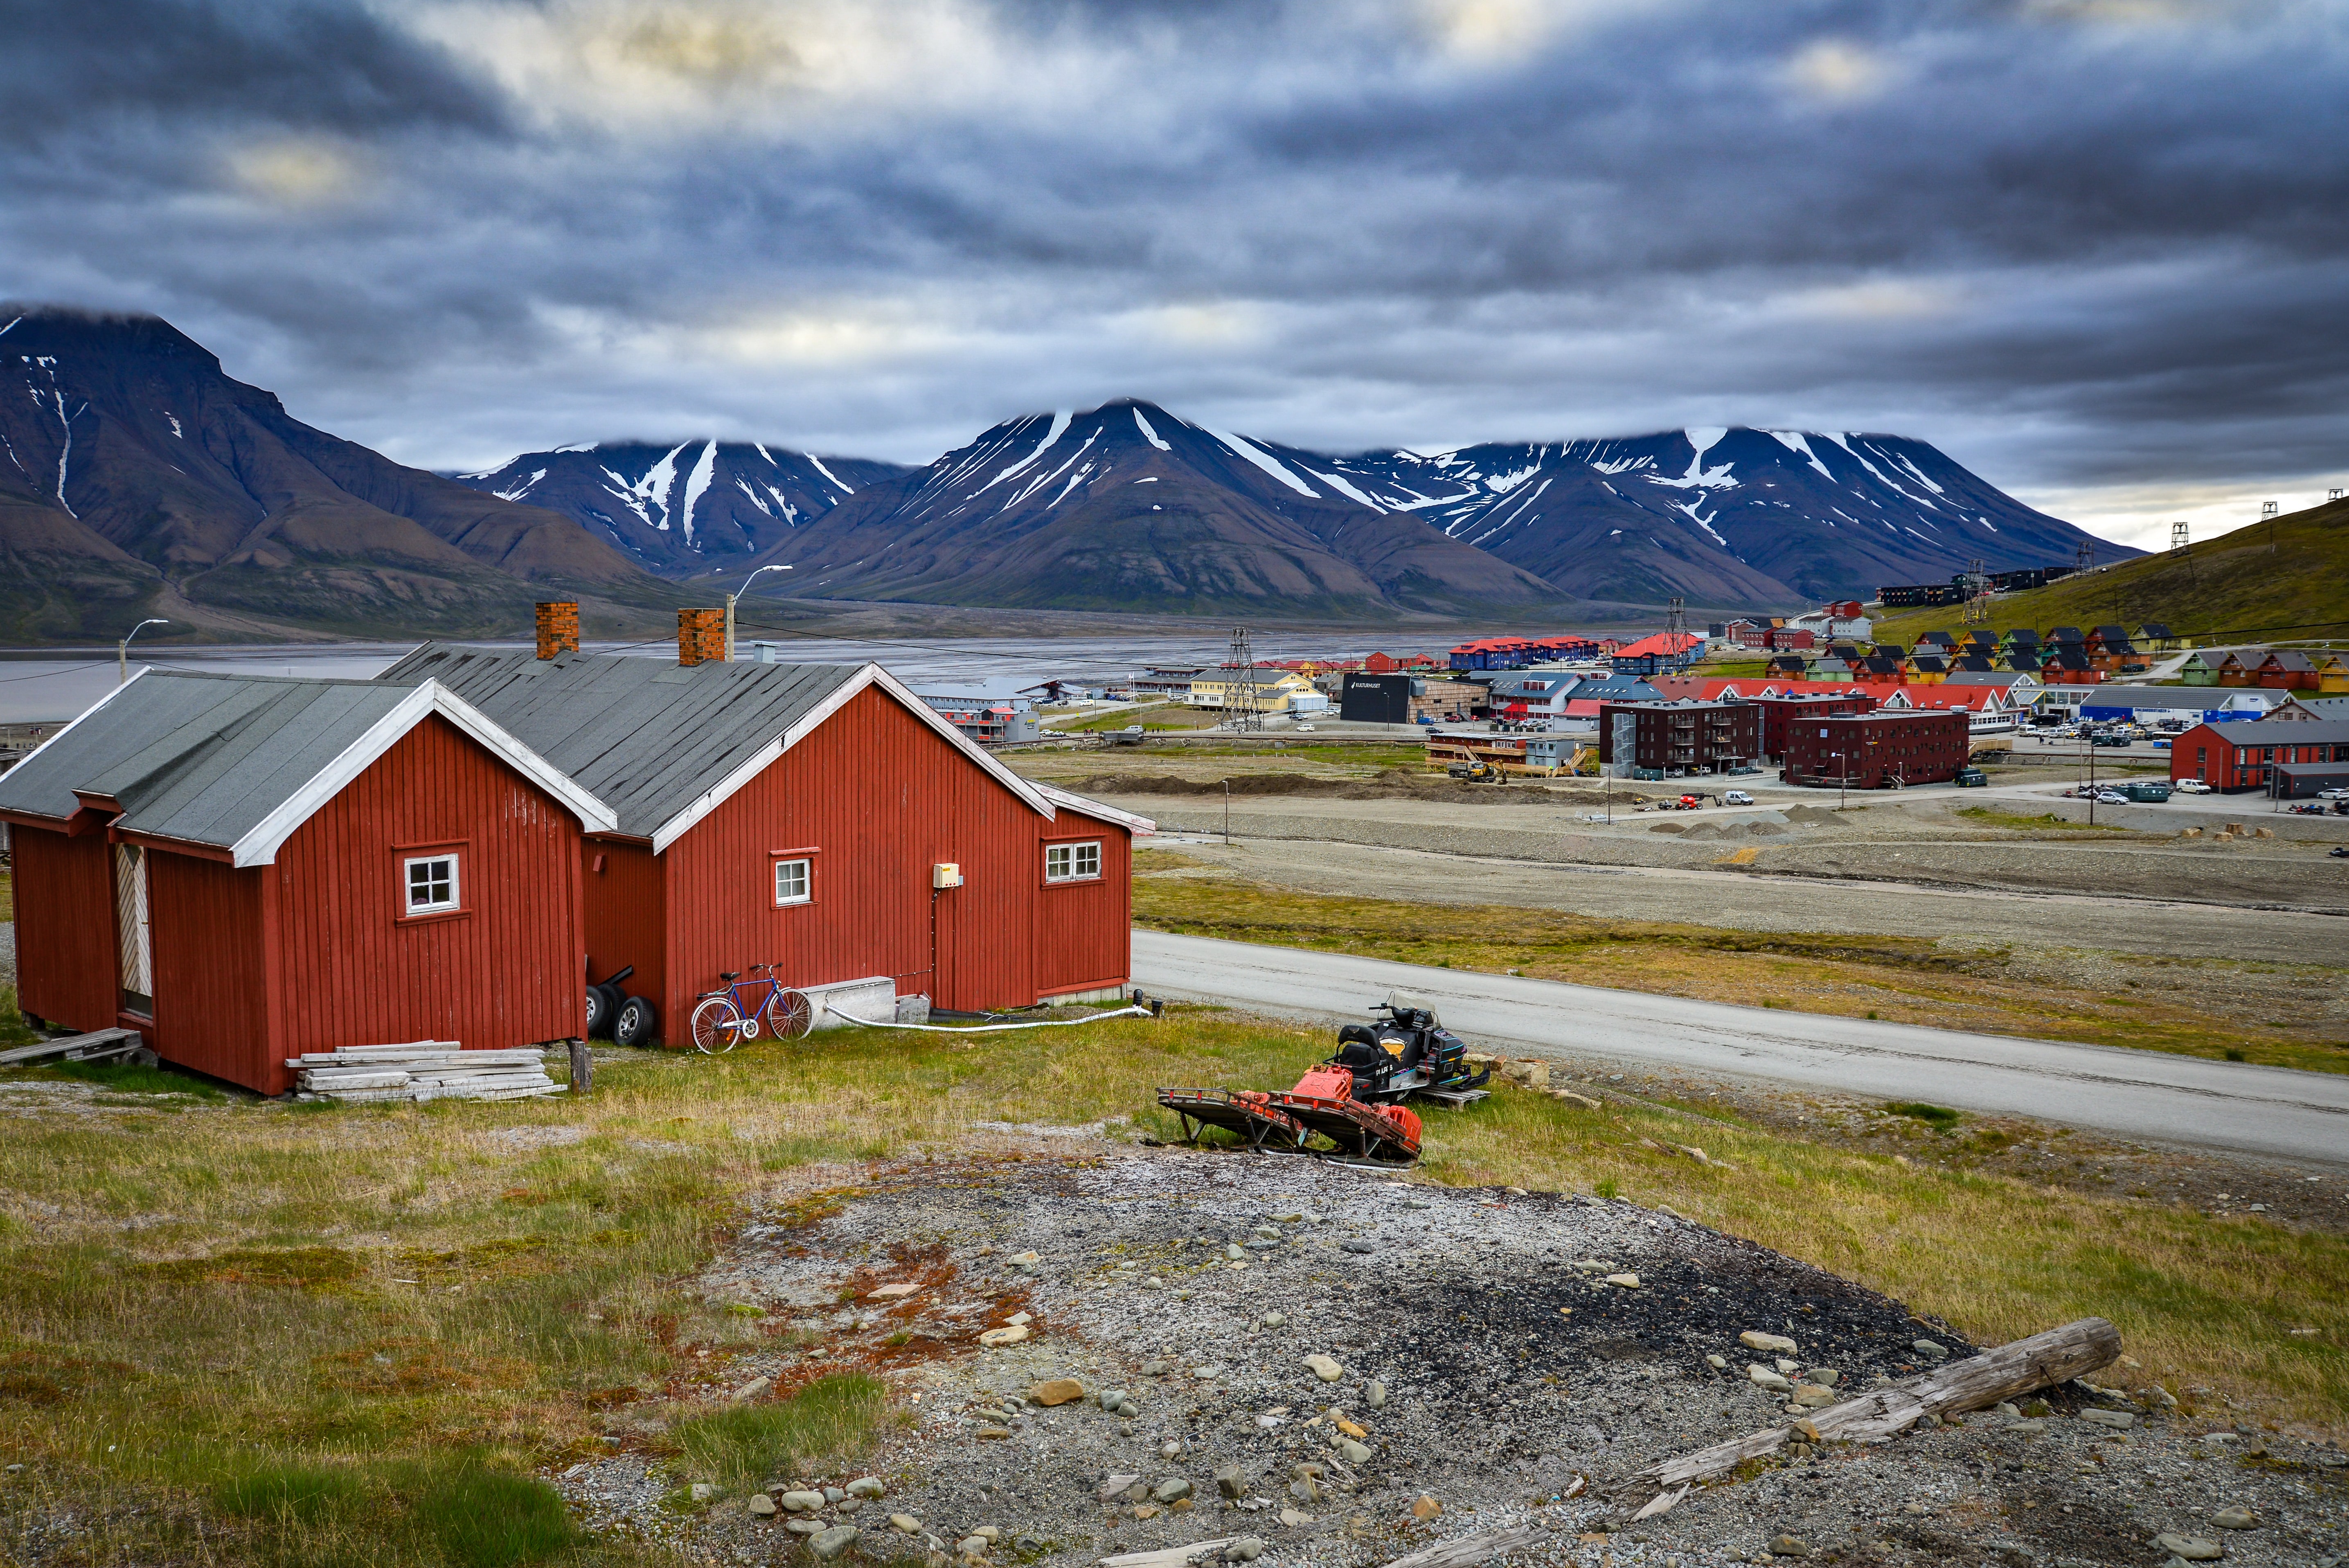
{"points": [[799, 814], [244, 868]]}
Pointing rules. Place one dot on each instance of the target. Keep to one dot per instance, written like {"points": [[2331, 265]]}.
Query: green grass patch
{"points": [[827, 1424], [1991, 816], [1940, 1119]]}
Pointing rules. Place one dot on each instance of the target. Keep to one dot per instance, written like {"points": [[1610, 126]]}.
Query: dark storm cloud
{"points": [[2079, 243]]}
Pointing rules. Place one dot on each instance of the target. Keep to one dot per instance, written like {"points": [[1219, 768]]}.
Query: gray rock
{"points": [[1376, 1395], [906, 1524], [1170, 1450], [806, 1526], [1171, 1491], [2192, 1548], [1274, 1319], [762, 1505], [1113, 1484], [802, 1501], [973, 1545], [1246, 1549], [1354, 1246], [833, 1494], [2235, 1519], [702, 1492], [1789, 1546], [2114, 1418], [1930, 1350], [1129, 1409], [1261, 1242], [1763, 1377], [1230, 1481], [849, 1504], [1234, 1251], [1352, 1453], [2029, 1425], [1157, 1368], [1417, 1203], [1112, 1398], [1303, 1490], [867, 1486]]}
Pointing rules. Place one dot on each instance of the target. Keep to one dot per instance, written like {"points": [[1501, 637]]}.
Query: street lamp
{"points": [[737, 594], [122, 651]]}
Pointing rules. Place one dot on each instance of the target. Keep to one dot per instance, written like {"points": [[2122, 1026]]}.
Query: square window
{"points": [[1072, 862], [793, 882], [431, 884]]}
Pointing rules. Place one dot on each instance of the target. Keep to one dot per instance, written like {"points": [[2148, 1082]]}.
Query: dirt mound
{"points": [[1394, 784]]}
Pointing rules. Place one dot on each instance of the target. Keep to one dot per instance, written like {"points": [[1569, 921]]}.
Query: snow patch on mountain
{"points": [[1150, 434], [1265, 461]]}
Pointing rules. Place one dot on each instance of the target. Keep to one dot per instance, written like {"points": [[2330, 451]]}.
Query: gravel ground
{"points": [[1482, 1372]]}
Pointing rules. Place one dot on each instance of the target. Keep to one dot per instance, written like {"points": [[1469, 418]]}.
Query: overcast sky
{"points": [[2093, 249]]}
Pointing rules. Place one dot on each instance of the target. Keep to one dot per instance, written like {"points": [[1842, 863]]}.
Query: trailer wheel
{"points": [[636, 1022], [599, 1012]]}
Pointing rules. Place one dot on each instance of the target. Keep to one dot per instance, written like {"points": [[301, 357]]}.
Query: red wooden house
{"points": [[818, 817], [244, 870]]}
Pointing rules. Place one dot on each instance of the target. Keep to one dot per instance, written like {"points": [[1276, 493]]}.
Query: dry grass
{"points": [[299, 1335], [1900, 978]]}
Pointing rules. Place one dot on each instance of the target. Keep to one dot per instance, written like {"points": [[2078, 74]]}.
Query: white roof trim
{"points": [[85, 713], [1094, 808], [710, 799], [260, 846]]}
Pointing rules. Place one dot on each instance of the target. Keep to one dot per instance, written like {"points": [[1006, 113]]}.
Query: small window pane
{"points": [[1072, 862], [790, 881], [1088, 860], [1056, 863], [431, 884]]}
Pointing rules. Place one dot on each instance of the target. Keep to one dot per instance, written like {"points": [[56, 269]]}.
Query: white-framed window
{"points": [[431, 884], [794, 882], [1072, 862]]}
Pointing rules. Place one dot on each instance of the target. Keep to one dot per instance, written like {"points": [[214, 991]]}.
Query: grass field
{"points": [[242, 1332], [2227, 589], [1895, 976]]}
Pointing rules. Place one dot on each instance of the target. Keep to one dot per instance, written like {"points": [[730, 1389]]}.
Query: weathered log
{"points": [[1170, 1556], [1470, 1550], [1881, 1414]]}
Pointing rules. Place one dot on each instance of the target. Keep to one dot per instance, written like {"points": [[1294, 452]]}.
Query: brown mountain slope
{"points": [[132, 428]]}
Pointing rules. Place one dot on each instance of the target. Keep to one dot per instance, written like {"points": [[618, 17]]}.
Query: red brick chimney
{"points": [[558, 627], [701, 637]]}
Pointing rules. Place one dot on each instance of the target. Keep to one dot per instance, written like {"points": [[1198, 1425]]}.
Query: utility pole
{"points": [[2178, 538], [1242, 684], [2268, 515]]}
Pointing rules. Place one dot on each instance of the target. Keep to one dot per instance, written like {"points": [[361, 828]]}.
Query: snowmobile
{"points": [[1408, 1053]]}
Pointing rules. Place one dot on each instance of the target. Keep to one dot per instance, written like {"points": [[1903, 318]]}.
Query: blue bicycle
{"points": [[724, 1019]]}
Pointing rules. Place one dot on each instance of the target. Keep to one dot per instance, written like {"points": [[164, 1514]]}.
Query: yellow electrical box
{"points": [[946, 874]]}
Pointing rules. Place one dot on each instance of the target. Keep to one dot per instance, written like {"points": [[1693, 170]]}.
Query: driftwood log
{"points": [[1471, 1550], [1170, 1556], [1881, 1414]]}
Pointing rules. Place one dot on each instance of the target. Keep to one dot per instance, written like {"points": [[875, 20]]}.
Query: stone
{"points": [[1113, 1484], [973, 1545], [1356, 1247], [1754, 1339], [802, 1501], [1274, 1319], [1930, 1350], [1826, 1376], [1169, 1489], [1417, 1203], [1024, 1260], [1324, 1368], [1813, 1396], [2113, 1418], [1788, 1368], [1001, 1336], [1157, 1368], [762, 1504], [1234, 1251], [1210, 1372], [990, 1433], [1018, 1318], [1304, 1490], [806, 1526], [990, 1533], [752, 1389], [1718, 1362], [891, 1293], [833, 1542], [1625, 1282], [1230, 1481], [867, 1486], [1112, 1398], [1769, 1379], [833, 1494], [1376, 1396], [905, 1523], [849, 1504], [1246, 1549], [1347, 1427], [1172, 1448], [1789, 1546], [1057, 1391], [1180, 1505], [702, 1492], [2192, 1548], [1294, 1516], [2029, 1425], [1580, 1101], [1424, 1506], [2235, 1519], [1352, 1453], [1917, 1510]]}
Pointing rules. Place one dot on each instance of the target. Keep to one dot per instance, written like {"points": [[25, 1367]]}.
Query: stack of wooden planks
{"points": [[423, 1070]]}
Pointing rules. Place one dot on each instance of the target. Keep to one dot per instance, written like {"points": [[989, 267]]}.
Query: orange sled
{"points": [[1323, 1102], [1246, 1112]]}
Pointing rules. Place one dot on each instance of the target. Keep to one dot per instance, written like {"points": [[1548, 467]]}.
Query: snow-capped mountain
{"points": [[1720, 516], [1127, 506], [136, 478], [680, 510]]}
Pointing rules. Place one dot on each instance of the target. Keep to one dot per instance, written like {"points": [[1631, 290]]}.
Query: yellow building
{"points": [[1278, 691]]}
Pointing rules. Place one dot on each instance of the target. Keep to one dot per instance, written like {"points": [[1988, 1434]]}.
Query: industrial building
{"points": [[1887, 747], [2291, 760]]}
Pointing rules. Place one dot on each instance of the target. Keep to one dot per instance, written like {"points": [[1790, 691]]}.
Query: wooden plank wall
{"points": [[212, 992], [65, 960]]}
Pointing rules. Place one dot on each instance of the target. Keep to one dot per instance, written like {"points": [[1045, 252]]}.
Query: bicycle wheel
{"points": [[717, 1027], [791, 1014]]}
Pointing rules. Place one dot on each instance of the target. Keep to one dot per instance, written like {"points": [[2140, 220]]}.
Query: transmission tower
{"points": [[2268, 515], [2177, 540], [1675, 627], [1977, 585], [1239, 691], [2084, 559]]}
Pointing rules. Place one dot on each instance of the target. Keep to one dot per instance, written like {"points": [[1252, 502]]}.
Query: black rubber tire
{"points": [[636, 1022], [615, 998], [599, 1013]]}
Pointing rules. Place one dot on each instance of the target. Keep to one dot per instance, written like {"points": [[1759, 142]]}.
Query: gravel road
{"points": [[2148, 1094]]}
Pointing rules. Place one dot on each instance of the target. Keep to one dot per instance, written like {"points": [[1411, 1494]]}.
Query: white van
{"points": [[1735, 798]]}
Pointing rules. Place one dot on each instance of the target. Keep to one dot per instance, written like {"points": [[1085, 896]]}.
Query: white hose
{"points": [[988, 1028]]}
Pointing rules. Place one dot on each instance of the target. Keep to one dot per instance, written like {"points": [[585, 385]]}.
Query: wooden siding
{"points": [[879, 798], [211, 988], [505, 969], [64, 927], [624, 918]]}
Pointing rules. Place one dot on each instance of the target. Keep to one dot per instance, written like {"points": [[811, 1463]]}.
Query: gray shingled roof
{"points": [[202, 758], [646, 737]]}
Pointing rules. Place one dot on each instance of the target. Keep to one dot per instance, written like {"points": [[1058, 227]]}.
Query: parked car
{"points": [[2111, 797], [1972, 778], [1739, 797], [2110, 741], [2190, 787], [2333, 795]]}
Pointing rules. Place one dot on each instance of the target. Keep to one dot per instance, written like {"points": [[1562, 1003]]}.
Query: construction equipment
{"points": [[1477, 771]]}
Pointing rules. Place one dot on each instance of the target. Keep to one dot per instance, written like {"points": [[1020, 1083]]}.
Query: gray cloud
{"points": [[2080, 245]]}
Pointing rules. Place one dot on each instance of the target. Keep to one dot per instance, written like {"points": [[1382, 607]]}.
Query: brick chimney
{"points": [[558, 627], [701, 637]]}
